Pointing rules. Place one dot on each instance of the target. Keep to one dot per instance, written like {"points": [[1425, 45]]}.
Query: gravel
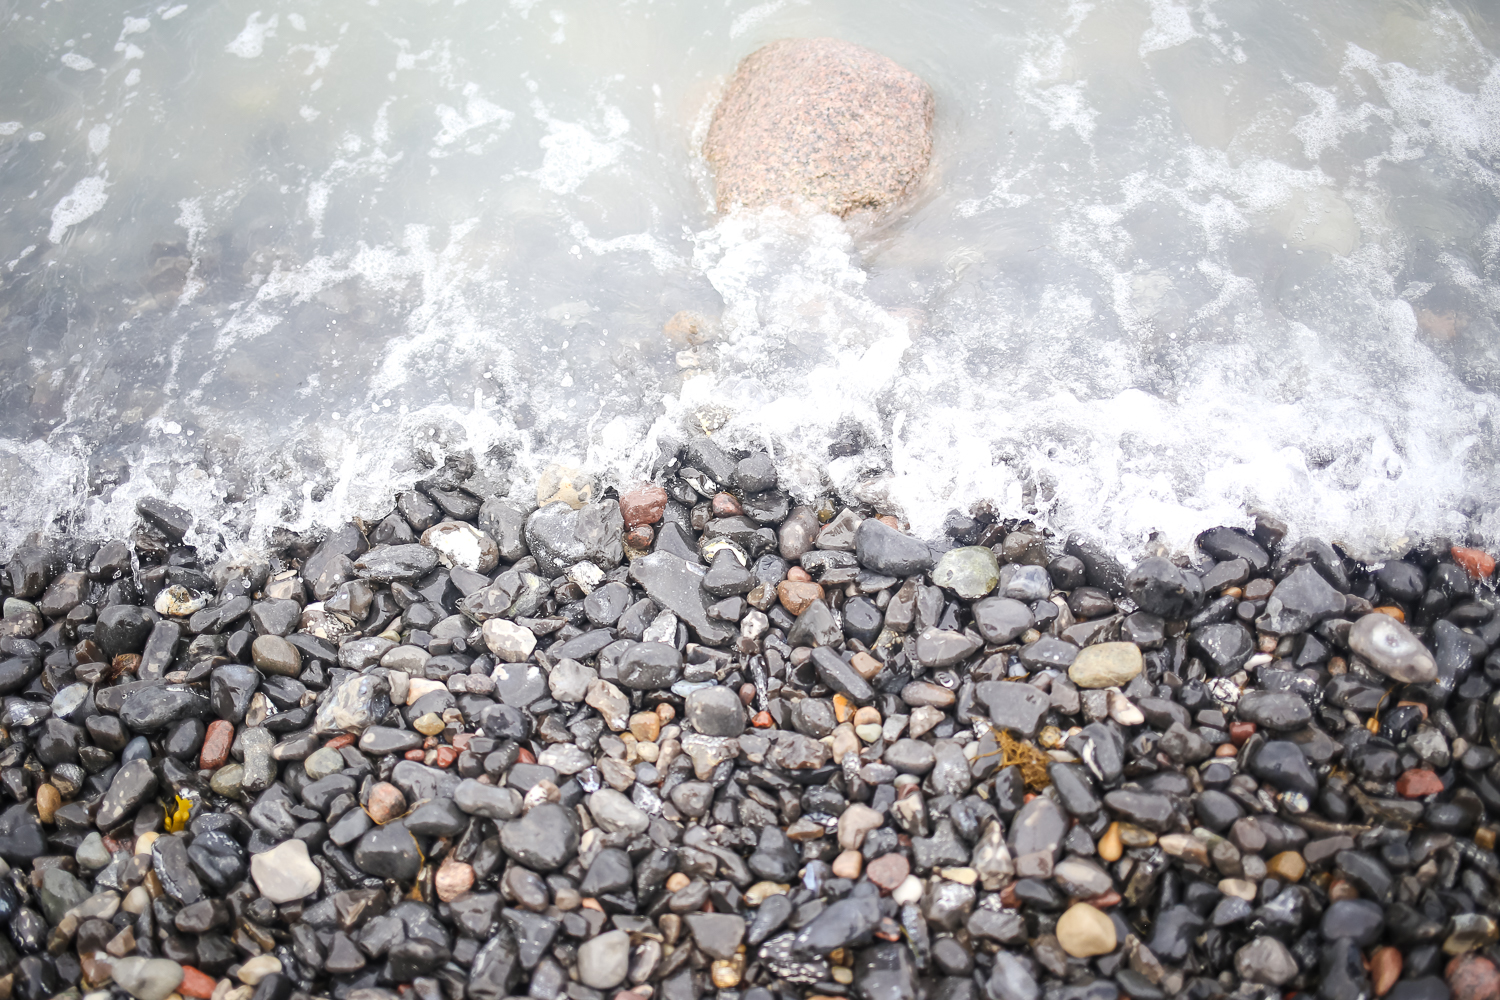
{"points": [[656, 747]]}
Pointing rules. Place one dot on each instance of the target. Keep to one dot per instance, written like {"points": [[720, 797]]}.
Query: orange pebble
{"points": [[1478, 563], [1393, 611], [340, 741], [196, 984]]}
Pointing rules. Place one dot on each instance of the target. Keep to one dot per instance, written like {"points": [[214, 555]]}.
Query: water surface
{"points": [[1174, 262]]}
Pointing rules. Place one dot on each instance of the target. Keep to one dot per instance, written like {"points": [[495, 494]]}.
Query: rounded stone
{"points": [[453, 879], [1265, 960], [511, 643], [716, 711], [970, 571], [147, 978], [257, 968], [274, 655], [1473, 977], [1391, 649], [604, 960], [1107, 664], [1289, 865], [1085, 932], [323, 762], [285, 872], [823, 121]]}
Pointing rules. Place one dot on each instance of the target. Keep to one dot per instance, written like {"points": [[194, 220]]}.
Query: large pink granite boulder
{"points": [[823, 121]]}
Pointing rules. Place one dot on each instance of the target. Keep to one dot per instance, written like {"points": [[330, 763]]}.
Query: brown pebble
{"points": [[1385, 969], [1288, 866], [640, 537], [848, 864], [666, 712], [453, 879], [386, 802], [645, 726], [888, 871], [48, 798], [726, 972], [865, 665], [798, 575], [216, 743], [1110, 846], [677, 881], [725, 505], [796, 596], [747, 693], [1341, 889]]}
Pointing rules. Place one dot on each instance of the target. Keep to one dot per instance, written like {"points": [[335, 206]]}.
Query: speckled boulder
{"points": [[823, 121]]}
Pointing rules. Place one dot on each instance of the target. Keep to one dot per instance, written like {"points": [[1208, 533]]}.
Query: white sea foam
{"points": [[1127, 301], [251, 41], [84, 201]]}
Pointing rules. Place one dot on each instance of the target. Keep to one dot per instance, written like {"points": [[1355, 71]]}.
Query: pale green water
{"points": [[1173, 259]]}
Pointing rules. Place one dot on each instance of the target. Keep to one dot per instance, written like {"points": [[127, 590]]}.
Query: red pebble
{"points": [[415, 755], [725, 505], [446, 756], [216, 743], [888, 871], [763, 720], [196, 984], [639, 537], [1239, 732], [525, 756], [1418, 783], [462, 740], [1105, 900], [340, 741], [643, 504], [1478, 563], [1473, 977], [798, 575]]}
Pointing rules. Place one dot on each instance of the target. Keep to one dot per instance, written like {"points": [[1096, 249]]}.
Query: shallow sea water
{"points": [[1174, 262]]}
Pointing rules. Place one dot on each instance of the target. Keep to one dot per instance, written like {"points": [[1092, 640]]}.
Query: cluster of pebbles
{"points": [[696, 740]]}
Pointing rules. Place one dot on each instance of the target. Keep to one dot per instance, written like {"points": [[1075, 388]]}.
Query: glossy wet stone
{"points": [[1391, 649], [463, 778]]}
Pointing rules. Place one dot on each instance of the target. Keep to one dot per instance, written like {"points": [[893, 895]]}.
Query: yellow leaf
{"points": [[179, 819]]}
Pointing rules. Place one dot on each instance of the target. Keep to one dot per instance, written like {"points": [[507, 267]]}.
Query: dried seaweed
{"points": [[1033, 762]]}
